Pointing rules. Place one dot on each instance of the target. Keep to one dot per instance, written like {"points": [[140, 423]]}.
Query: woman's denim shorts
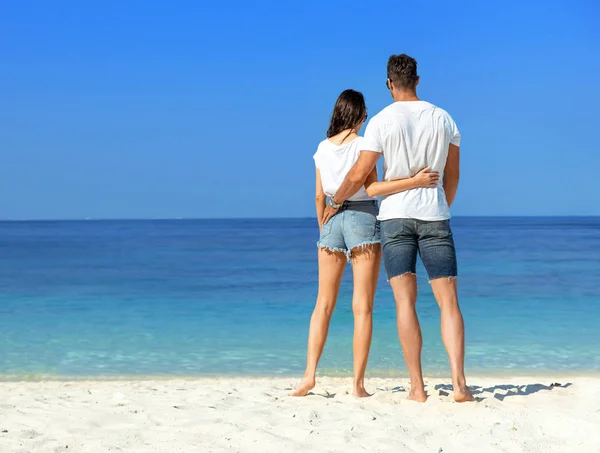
{"points": [[354, 226]]}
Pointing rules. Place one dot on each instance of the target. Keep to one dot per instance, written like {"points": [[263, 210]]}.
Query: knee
{"points": [[324, 308], [362, 309]]}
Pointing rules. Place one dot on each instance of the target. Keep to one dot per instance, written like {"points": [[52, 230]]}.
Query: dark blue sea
{"points": [[234, 297]]}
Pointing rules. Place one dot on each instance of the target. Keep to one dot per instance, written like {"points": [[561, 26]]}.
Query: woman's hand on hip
{"points": [[328, 214]]}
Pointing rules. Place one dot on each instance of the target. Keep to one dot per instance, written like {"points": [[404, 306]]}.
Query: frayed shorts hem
{"points": [[348, 253]]}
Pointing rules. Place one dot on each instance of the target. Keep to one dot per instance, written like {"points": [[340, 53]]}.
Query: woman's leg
{"points": [[365, 267], [331, 270]]}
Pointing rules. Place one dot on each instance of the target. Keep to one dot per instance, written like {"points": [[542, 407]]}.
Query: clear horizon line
{"points": [[104, 219]]}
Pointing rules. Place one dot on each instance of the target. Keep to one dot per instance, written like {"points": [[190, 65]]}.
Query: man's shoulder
{"points": [[383, 113], [440, 111], [382, 118], [396, 108]]}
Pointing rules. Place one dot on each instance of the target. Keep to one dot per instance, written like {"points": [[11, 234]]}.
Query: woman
{"points": [[352, 234]]}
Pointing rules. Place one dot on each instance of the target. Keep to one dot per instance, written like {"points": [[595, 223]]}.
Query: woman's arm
{"points": [[424, 178], [320, 198]]}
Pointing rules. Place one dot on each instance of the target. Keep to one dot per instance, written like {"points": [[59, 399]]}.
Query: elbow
{"points": [[357, 178], [321, 198], [371, 191]]}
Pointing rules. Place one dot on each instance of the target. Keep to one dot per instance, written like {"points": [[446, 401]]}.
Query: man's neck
{"points": [[405, 96]]}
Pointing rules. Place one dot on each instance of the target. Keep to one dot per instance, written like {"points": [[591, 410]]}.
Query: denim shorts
{"points": [[402, 239], [354, 225]]}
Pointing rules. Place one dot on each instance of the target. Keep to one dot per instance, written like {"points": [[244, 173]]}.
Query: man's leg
{"points": [[436, 246], [399, 242], [409, 331], [453, 334]]}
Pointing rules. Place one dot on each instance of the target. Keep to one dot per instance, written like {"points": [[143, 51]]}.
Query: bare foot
{"points": [[463, 394], [304, 387], [360, 392], [418, 395]]}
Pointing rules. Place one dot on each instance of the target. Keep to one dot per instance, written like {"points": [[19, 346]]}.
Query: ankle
{"points": [[417, 385], [459, 383], [359, 383], [309, 377]]}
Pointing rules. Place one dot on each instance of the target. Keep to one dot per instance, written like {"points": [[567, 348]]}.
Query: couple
{"points": [[419, 142]]}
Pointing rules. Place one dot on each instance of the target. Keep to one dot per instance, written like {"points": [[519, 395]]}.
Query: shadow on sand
{"points": [[326, 394], [504, 391]]}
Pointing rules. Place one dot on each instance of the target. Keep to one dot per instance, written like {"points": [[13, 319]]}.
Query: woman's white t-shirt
{"points": [[334, 162]]}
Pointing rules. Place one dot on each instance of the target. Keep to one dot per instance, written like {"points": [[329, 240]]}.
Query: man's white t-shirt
{"points": [[334, 162], [412, 135]]}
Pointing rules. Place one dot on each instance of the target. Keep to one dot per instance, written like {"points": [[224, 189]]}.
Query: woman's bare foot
{"points": [[463, 394], [304, 387], [419, 395], [360, 392]]}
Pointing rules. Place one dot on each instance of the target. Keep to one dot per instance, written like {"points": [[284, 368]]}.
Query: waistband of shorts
{"points": [[349, 203], [359, 205]]}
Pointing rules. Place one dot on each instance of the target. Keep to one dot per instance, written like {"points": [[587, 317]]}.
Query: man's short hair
{"points": [[402, 71]]}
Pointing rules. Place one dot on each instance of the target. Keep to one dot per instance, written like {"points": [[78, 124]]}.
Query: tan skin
{"points": [[365, 268], [405, 287]]}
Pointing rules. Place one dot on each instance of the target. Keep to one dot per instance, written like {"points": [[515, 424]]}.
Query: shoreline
{"points": [[257, 415], [507, 374]]}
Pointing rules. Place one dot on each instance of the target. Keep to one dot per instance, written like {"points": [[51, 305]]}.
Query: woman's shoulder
{"points": [[357, 141], [324, 143], [327, 145], [323, 146]]}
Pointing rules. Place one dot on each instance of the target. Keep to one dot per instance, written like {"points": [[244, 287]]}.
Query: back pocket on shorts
{"points": [[438, 229], [364, 224]]}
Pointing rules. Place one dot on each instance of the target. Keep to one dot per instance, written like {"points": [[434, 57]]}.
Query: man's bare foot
{"points": [[418, 395], [463, 394], [304, 387], [360, 392]]}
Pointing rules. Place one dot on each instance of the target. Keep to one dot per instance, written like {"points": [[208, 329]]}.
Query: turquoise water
{"points": [[206, 297]]}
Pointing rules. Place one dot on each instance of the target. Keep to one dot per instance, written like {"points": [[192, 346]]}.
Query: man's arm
{"points": [[451, 173], [353, 181]]}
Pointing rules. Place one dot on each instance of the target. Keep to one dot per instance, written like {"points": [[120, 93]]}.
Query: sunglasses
{"points": [[387, 84]]}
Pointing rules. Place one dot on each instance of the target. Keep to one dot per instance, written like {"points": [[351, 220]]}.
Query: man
{"points": [[413, 134]]}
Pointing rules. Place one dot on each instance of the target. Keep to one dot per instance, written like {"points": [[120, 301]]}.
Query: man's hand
{"points": [[328, 214]]}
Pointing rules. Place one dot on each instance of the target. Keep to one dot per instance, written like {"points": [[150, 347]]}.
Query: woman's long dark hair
{"points": [[349, 111]]}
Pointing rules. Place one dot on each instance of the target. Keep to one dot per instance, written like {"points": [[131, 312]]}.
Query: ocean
{"points": [[160, 298]]}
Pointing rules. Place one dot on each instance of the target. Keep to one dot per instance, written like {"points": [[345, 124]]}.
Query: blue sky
{"points": [[213, 109]]}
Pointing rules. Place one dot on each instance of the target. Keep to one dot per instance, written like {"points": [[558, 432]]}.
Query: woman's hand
{"points": [[426, 178], [328, 214]]}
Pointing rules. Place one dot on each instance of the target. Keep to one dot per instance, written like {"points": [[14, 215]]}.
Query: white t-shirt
{"points": [[334, 162], [412, 135]]}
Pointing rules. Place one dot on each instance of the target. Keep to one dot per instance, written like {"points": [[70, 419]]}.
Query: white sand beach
{"points": [[255, 415]]}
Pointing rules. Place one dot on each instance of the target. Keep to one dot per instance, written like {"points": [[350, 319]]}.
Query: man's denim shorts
{"points": [[402, 239], [354, 226]]}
